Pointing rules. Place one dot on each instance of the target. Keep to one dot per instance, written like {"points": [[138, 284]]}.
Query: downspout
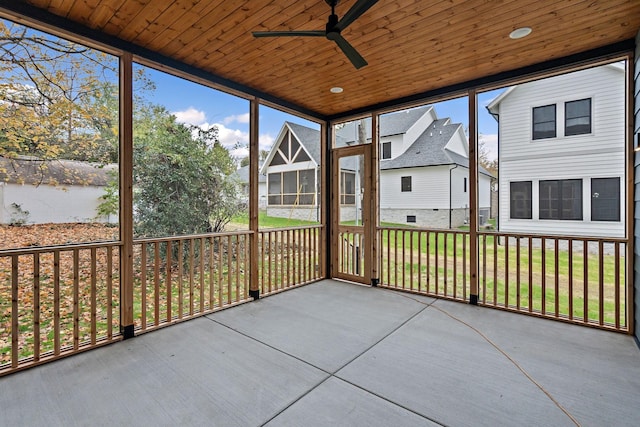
{"points": [[451, 196]]}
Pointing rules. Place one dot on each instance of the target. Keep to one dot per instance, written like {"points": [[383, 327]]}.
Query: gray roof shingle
{"points": [[390, 124], [429, 149], [242, 175]]}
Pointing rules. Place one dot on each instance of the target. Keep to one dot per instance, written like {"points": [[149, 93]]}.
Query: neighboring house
{"points": [[34, 191], [292, 169], [423, 172], [242, 175], [562, 154]]}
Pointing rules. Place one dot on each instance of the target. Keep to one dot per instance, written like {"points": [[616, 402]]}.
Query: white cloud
{"points": [[236, 118], [265, 141], [234, 140], [239, 153], [237, 142], [191, 116], [231, 138]]}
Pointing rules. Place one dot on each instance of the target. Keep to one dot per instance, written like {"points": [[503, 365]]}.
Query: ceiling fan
{"points": [[333, 29]]}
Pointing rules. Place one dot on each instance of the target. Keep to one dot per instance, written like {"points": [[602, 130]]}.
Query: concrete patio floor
{"points": [[331, 354]]}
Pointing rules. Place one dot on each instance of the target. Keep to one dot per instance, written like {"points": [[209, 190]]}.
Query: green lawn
{"points": [[265, 221], [506, 277]]}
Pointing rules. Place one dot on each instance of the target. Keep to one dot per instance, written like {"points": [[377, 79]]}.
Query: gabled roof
{"points": [[430, 149], [492, 107], [34, 171], [427, 150], [309, 140], [396, 123]]}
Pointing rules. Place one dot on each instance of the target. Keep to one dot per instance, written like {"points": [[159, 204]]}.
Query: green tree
{"points": [[181, 176], [59, 98], [262, 156], [110, 200]]}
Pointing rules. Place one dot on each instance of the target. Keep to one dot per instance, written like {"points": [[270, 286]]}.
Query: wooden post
{"points": [[367, 208], [254, 148], [630, 186], [375, 201], [473, 196], [331, 200], [126, 196], [323, 249], [15, 353]]}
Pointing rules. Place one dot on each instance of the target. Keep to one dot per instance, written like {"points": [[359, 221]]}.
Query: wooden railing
{"points": [[178, 278], [56, 301], [289, 257], [575, 279], [431, 262]]}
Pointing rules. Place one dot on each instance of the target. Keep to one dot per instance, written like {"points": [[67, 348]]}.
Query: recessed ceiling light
{"points": [[336, 89], [519, 33]]}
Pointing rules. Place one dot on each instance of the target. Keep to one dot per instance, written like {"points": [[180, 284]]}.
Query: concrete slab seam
{"points": [[333, 374], [386, 399]]}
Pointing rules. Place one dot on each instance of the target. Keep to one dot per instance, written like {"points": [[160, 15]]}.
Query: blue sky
{"points": [[202, 106]]}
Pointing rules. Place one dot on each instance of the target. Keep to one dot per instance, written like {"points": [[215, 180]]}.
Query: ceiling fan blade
{"points": [[354, 13], [356, 59], [289, 33]]}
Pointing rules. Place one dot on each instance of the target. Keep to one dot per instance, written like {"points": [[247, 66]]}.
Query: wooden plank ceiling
{"points": [[412, 46]]}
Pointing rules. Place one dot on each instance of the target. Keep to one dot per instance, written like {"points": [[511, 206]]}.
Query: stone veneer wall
{"points": [[308, 213], [425, 218], [304, 213]]}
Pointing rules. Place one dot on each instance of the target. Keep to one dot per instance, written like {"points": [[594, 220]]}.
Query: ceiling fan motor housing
{"points": [[331, 30]]}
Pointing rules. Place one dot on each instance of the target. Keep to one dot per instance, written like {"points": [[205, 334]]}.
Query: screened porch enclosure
{"points": [[406, 203], [67, 299]]}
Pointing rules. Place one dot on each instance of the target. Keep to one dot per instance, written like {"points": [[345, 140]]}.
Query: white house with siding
{"points": [[34, 191], [562, 154], [424, 171]]}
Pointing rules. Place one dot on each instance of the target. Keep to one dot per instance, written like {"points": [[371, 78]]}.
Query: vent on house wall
{"points": [[411, 218]]}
